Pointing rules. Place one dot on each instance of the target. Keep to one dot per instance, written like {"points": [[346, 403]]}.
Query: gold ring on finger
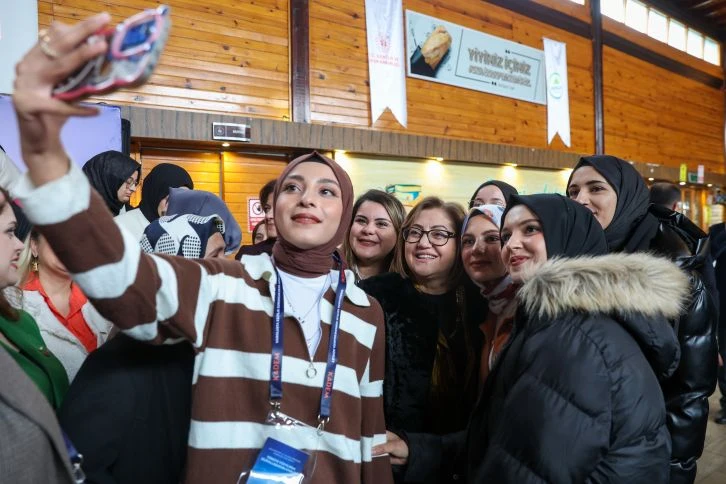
{"points": [[43, 42]]}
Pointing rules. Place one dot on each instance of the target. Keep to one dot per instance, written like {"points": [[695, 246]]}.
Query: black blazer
{"points": [[128, 412]]}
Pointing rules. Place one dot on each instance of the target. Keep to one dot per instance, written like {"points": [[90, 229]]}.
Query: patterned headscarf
{"points": [[185, 235]]}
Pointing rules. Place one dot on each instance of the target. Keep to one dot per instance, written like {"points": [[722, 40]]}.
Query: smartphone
{"points": [[134, 47]]}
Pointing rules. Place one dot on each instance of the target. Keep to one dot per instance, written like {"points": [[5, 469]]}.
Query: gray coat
{"points": [[31, 445]]}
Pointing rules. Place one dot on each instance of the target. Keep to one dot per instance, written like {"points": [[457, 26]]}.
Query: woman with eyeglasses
{"points": [[432, 352], [115, 177], [492, 192]]}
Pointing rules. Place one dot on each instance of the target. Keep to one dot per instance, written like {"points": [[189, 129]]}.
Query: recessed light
{"points": [[682, 183], [225, 145], [651, 179], [709, 185]]}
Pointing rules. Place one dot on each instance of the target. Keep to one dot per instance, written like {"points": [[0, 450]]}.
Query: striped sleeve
{"points": [[152, 298], [373, 432]]}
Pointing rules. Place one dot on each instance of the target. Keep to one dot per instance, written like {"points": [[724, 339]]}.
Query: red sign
{"points": [[255, 214]]}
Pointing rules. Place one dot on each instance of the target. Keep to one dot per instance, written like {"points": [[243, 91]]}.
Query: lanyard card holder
{"points": [[289, 454]]}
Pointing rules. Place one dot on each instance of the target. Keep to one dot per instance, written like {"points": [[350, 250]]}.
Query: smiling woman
{"points": [[432, 341], [370, 245]]}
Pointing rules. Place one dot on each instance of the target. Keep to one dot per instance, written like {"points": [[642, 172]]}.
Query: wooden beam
{"points": [[181, 128], [300, 60], [597, 81], [638, 51]]}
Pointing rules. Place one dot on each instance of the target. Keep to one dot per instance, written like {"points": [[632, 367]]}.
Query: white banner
{"points": [[558, 99], [384, 29]]}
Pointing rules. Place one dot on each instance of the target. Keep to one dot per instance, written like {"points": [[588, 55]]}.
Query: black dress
{"points": [[432, 356]]}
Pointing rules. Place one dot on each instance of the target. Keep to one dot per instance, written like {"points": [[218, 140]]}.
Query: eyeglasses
{"points": [[437, 237]]}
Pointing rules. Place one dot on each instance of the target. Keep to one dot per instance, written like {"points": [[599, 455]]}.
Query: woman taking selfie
{"points": [[619, 199], [326, 372], [370, 244]]}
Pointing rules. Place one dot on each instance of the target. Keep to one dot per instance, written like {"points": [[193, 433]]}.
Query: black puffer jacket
{"points": [[575, 396], [687, 391]]}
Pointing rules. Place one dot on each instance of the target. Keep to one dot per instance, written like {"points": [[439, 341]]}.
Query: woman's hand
{"points": [[40, 116], [396, 447]]}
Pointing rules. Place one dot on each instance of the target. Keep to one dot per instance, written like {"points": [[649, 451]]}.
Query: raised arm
{"points": [[154, 298]]}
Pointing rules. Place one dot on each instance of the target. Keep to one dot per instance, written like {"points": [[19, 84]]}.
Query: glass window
{"points": [[695, 43], [636, 16], [657, 25], [676, 34], [711, 52], [615, 9]]}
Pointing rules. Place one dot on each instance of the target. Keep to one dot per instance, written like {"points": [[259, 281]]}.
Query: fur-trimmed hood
{"points": [[642, 292], [614, 284]]}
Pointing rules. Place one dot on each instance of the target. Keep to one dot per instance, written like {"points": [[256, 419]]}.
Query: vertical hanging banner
{"points": [[386, 66], [558, 99]]}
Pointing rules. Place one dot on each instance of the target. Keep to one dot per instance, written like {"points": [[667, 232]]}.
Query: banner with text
{"points": [[558, 97], [448, 53], [384, 31]]}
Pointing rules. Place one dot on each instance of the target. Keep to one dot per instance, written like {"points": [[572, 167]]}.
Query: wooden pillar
{"points": [[596, 36], [300, 60]]}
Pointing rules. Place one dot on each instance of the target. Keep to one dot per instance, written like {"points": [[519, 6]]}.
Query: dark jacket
{"points": [[413, 322], [128, 412], [687, 391], [575, 396]]}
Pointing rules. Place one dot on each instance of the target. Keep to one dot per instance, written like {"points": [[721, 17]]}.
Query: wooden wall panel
{"points": [[244, 175], [227, 56], [203, 167], [340, 92], [656, 116]]}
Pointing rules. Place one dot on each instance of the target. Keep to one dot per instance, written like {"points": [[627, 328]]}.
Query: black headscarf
{"points": [[632, 228], [507, 190], [157, 184], [106, 172], [569, 229]]}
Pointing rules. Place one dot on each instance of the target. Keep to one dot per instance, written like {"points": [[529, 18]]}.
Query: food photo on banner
{"points": [[448, 53]]}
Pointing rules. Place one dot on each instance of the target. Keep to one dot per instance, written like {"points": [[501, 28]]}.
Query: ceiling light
{"points": [[710, 185], [682, 184], [651, 179], [438, 158], [225, 145]]}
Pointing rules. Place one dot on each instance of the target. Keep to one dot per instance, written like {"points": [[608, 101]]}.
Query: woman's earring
{"points": [[34, 264]]}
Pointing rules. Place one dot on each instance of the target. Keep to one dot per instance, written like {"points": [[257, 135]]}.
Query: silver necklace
{"points": [[311, 372]]}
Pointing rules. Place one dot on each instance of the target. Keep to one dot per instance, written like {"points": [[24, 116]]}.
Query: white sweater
{"points": [[59, 339]]}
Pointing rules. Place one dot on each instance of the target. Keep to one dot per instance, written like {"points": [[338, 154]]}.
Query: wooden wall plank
{"points": [[654, 116], [228, 57]]}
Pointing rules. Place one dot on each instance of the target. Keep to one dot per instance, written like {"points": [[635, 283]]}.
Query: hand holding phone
{"points": [[134, 47]]}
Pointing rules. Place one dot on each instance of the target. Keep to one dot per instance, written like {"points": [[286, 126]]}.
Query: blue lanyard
{"points": [[326, 396], [76, 459]]}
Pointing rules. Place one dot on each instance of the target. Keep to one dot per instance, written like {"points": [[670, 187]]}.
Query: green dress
{"points": [[34, 357]]}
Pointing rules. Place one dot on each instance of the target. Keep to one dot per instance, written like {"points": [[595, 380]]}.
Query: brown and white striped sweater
{"points": [[224, 308]]}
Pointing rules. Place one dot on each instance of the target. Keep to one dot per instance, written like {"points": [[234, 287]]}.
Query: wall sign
{"points": [[255, 214], [448, 53]]}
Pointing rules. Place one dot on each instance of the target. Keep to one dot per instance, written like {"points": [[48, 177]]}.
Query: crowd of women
{"points": [[532, 338]]}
